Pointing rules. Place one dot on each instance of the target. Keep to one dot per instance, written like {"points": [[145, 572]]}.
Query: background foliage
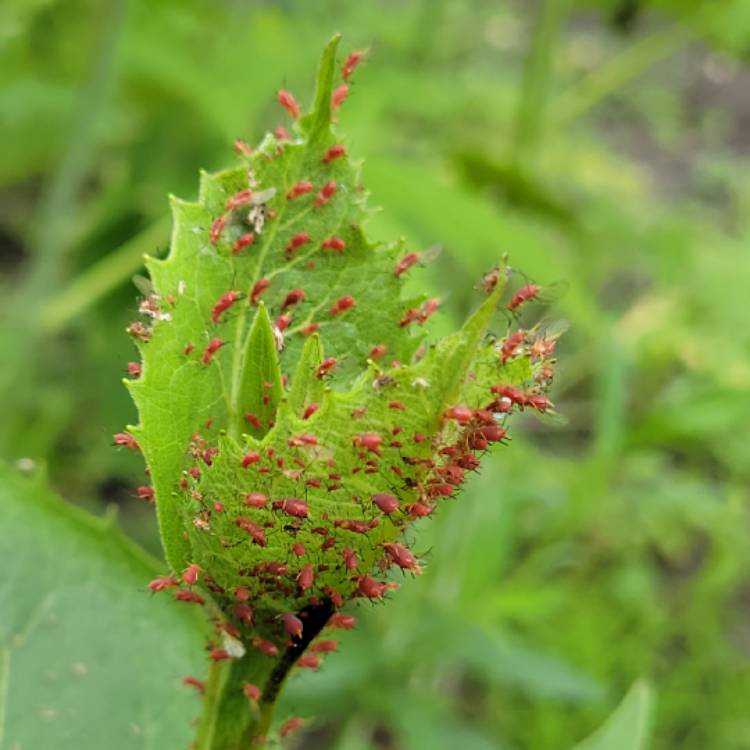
{"points": [[601, 143]]}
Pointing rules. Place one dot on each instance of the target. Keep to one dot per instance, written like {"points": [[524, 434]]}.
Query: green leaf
{"points": [[301, 511], [260, 380], [629, 726], [307, 388], [87, 658]]}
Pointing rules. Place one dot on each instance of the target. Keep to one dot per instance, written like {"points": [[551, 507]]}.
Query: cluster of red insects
{"points": [[301, 564]]}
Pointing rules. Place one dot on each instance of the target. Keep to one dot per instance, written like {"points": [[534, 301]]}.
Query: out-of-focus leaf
{"points": [[629, 727], [501, 660], [87, 658]]}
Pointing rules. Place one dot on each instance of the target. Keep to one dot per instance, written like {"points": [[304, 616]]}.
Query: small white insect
{"points": [[151, 306], [256, 216], [279, 338], [181, 286], [233, 646], [201, 524], [421, 382]]}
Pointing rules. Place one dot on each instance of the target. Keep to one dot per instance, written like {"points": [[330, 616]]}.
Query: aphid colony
{"points": [[299, 553], [285, 527]]}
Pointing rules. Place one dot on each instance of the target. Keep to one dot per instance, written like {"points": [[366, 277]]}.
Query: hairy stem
{"points": [[229, 720]]}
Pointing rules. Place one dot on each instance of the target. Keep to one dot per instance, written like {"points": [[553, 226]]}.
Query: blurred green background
{"points": [[602, 143]]}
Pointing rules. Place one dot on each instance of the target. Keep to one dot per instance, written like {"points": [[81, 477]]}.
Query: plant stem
{"points": [[229, 720]]}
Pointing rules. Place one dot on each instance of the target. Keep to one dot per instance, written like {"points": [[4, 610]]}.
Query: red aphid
{"points": [[338, 97], [219, 654], [125, 439], [515, 395], [299, 239], [256, 500], [217, 228], [265, 647], [309, 661], [290, 725], [242, 594], [324, 647], [335, 152], [428, 309], [292, 507], [326, 193], [208, 353], [293, 298], [224, 303], [310, 410], [301, 188], [334, 596], [292, 624], [242, 148], [461, 414], [397, 405], [342, 305], [405, 263], [298, 549], [492, 433], [402, 557], [351, 62], [244, 613], [259, 287], [239, 199], [189, 596], [419, 510], [371, 441], [351, 561], [410, 316], [252, 692], [251, 457], [371, 588], [306, 577], [511, 344], [289, 103], [255, 531], [385, 502], [441, 489], [243, 241], [146, 493], [190, 574], [377, 351], [134, 369], [334, 243], [310, 329], [283, 322], [339, 620], [163, 582], [271, 568], [539, 402], [354, 525], [524, 294], [253, 420], [326, 366], [282, 134], [194, 682]]}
